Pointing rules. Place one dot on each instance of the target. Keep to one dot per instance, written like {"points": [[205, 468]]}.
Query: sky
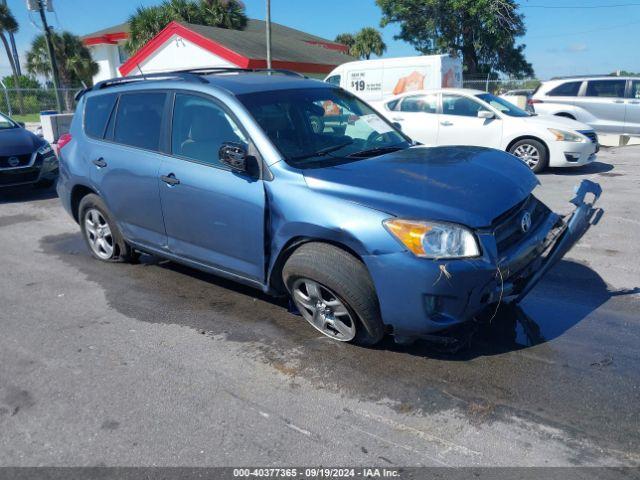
{"points": [[564, 37]]}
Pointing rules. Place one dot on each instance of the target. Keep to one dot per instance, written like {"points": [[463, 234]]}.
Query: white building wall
{"points": [[108, 60], [179, 54]]}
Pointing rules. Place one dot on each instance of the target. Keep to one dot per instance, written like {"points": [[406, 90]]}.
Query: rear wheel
{"points": [[100, 232], [334, 293], [532, 152]]}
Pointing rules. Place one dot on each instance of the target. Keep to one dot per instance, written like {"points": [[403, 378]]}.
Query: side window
{"points": [[393, 104], [96, 114], [569, 89], [139, 119], [460, 106], [200, 127], [334, 80], [606, 88], [420, 103], [635, 89]]}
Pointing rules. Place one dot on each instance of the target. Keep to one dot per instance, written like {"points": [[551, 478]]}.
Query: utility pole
{"points": [[268, 29], [52, 57]]}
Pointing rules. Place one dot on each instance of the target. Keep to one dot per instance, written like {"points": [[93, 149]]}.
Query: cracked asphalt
{"points": [[156, 364]]}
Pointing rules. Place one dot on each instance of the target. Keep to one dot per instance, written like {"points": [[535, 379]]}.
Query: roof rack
{"points": [[191, 74], [214, 70]]}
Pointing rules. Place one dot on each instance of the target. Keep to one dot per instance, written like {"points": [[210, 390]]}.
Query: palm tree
{"points": [[368, 41], [75, 65], [346, 39], [9, 24], [147, 22]]}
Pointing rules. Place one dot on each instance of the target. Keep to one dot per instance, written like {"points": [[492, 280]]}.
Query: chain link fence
{"points": [[27, 103], [500, 85]]}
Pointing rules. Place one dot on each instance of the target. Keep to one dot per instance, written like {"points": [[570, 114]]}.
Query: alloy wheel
{"points": [[98, 233], [528, 154], [323, 309]]}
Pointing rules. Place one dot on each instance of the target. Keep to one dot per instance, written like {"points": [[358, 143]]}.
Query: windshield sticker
{"points": [[376, 123]]}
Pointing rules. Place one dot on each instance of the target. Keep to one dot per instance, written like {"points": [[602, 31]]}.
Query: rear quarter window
{"points": [[96, 114], [139, 119], [569, 89]]}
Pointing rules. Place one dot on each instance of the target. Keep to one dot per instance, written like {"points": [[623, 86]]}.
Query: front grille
{"points": [[590, 134], [10, 161], [17, 177], [507, 228]]}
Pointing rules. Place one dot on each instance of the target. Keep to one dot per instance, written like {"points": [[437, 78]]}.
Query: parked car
{"points": [[25, 158], [299, 188], [607, 104], [473, 117]]}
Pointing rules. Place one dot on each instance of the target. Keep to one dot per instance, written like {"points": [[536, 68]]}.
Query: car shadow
{"points": [[26, 193], [590, 169], [568, 294]]}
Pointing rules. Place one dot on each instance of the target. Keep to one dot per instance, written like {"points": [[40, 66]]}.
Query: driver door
{"points": [[460, 125], [212, 215]]}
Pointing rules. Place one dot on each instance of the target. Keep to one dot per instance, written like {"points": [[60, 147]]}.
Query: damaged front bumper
{"points": [[419, 297]]}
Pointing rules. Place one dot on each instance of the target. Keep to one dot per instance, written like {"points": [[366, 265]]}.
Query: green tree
{"points": [[24, 81], [368, 41], [147, 22], [75, 65], [346, 39], [484, 32], [9, 24]]}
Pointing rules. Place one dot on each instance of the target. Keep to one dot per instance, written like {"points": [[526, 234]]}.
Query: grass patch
{"points": [[27, 117]]}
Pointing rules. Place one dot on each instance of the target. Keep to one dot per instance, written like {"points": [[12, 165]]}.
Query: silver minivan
{"points": [[608, 104]]}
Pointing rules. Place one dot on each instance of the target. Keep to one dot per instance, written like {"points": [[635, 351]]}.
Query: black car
{"points": [[25, 158]]}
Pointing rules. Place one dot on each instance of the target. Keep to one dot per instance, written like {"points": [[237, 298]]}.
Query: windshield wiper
{"points": [[375, 151], [323, 151]]}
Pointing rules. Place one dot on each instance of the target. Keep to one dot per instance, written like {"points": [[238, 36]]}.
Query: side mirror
{"points": [[486, 114], [234, 155], [397, 125]]}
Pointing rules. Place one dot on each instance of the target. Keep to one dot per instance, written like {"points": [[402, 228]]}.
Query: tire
{"points": [[91, 208], [341, 278], [533, 152]]}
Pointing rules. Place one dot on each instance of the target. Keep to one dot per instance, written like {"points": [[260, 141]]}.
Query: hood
{"points": [[554, 121], [18, 141], [467, 185]]}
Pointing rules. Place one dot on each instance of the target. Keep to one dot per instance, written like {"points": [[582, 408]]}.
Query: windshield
{"points": [[321, 126], [502, 105], [6, 122]]}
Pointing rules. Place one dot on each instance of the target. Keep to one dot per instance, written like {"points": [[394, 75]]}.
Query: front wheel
{"points": [[100, 232], [334, 293], [532, 152]]}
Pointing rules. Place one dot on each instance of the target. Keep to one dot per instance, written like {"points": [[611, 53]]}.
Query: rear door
{"points": [[418, 117], [125, 165], [459, 123], [605, 100], [632, 112], [213, 216]]}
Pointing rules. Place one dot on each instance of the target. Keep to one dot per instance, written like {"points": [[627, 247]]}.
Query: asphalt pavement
{"points": [[156, 364]]}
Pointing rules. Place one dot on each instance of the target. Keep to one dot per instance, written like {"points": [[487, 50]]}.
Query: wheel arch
{"points": [[77, 194], [527, 137], [274, 280], [565, 115]]}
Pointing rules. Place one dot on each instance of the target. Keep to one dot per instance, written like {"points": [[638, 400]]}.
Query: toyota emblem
{"points": [[13, 161], [525, 222]]}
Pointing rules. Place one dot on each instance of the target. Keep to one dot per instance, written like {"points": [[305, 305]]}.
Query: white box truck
{"points": [[375, 80]]}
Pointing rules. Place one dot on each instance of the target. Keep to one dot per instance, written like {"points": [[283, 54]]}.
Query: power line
{"points": [[569, 34], [579, 7]]}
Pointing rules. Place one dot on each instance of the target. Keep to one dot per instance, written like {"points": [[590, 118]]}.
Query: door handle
{"points": [[446, 123], [618, 101], [398, 119], [99, 162], [170, 180], [634, 102]]}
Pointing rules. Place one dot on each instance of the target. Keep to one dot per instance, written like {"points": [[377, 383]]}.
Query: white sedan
{"points": [[472, 117]]}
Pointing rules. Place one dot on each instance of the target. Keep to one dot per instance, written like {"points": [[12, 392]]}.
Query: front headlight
{"points": [[45, 149], [433, 239], [563, 136]]}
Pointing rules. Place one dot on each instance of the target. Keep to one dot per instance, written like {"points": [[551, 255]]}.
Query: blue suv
{"points": [[299, 188]]}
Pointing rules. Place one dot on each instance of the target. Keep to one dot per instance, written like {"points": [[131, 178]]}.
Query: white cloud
{"points": [[577, 48]]}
